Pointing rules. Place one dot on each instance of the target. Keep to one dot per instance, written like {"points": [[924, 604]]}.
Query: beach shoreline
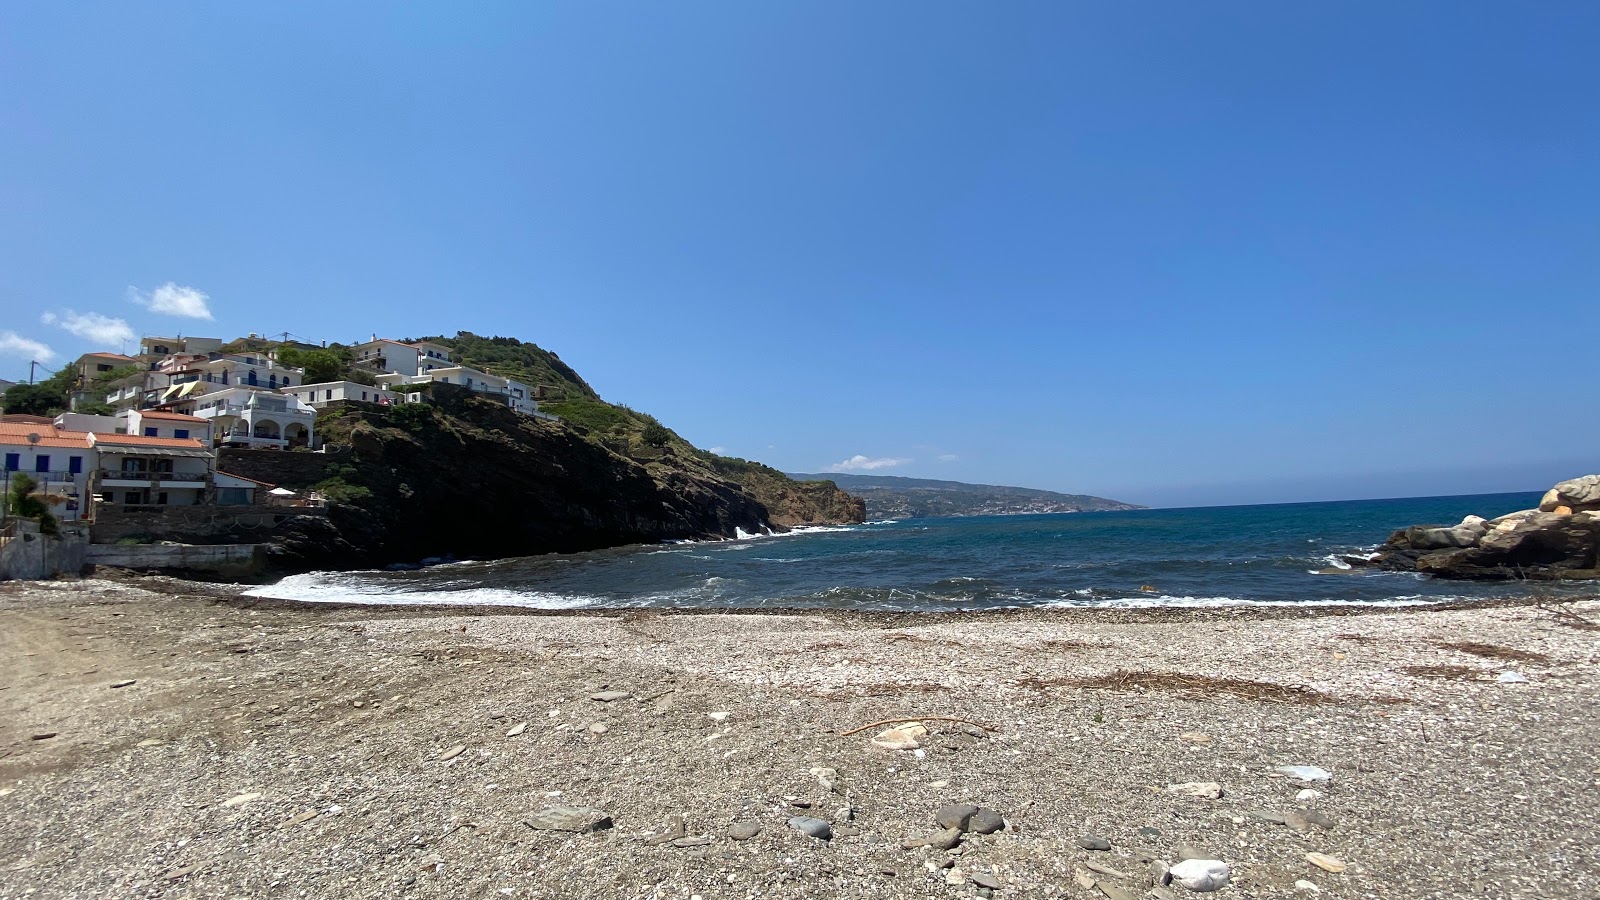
{"points": [[1449, 775]]}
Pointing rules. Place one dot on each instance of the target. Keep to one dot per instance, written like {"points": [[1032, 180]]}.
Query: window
{"points": [[41, 463], [13, 461], [107, 497], [75, 465], [149, 432], [102, 367], [131, 497], [180, 432], [328, 394], [363, 395], [161, 498], [233, 496]]}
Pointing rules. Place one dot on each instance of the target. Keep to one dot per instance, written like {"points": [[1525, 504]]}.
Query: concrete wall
{"points": [[220, 559], [29, 555], [292, 469]]}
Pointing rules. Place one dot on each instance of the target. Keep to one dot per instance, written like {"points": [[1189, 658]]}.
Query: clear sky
{"points": [[1171, 253]]}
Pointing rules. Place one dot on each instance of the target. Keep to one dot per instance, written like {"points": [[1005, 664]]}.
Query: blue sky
{"points": [[1168, 253]]}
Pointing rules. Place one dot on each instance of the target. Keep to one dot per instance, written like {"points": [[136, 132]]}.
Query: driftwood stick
{"points": [[918, 719]]}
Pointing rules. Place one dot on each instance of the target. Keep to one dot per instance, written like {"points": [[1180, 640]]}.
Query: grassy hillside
{"points": [[891, 496]]}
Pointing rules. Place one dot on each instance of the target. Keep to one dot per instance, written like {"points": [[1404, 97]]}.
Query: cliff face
{"points": [[467, 477]]}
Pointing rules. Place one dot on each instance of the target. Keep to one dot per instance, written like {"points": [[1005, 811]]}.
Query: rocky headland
{"points": [[1558, 540]]}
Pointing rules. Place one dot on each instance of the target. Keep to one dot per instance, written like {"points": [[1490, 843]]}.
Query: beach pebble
{"points": [[598, 728], [1195, 737], [744, 831], [986, 880], [241, 799], [1512, 678], [579, 819], [1093, 842], [1201, 874], [1304, 819], [609, 696], [1160, 871], [939, 840], [1148, 833], [955, 876], [123, 684], [901, 737], [1206, 790], [718, 717], [1326, 863], [1308, 795], [954, 815], [1193, 851], [1305, 773], [452, 753], [517, 729], [828, 778], [1308, 887], [985, 821], [813, 827], [1115, 892]]}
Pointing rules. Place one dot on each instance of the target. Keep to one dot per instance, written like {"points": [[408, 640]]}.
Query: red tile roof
{"points": [[15, 434], [175, 417]]}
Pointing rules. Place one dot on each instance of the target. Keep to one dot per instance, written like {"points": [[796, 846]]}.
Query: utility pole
{"points": [[32, 364]]}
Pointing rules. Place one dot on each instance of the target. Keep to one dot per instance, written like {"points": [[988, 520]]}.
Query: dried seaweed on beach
{"points": [[1203, 687], [1495, 651]]}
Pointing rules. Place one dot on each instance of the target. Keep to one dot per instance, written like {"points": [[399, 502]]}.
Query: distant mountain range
{"points": [[894, 497]]}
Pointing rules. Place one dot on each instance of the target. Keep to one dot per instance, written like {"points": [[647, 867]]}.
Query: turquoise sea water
{"points": [[1210, 556]]}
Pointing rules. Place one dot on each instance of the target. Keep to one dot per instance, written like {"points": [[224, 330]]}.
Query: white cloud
{"points": [[13, 344], [718, 450], [949, 457], [866, 464], [102, 330], [174, 300]]}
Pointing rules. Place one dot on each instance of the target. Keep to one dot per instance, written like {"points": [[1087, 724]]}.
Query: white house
{"points": [[320, 395], [136, 471], [168, 346], [252, 417], [383, 356], [60, 461]]}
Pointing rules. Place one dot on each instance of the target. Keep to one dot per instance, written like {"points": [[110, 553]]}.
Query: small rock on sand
{"points": [[1304, 819], [578, 819], [609, 696], [1093, 842], [1201, 874], [1206, 790], [517, 729], [984, 879], [1115, 892], [123, 684], [954, 815], [744, 831], [1326, 863], [1305, 773], [939, 840], [813, 827], [452, 753], [901, 737]]}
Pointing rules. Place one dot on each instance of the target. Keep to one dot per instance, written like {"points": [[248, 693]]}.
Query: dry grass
{"points": [[1495, 651], [1204, 687], [1460, 673]]}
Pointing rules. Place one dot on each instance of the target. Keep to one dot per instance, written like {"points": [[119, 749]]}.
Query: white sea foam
{"points": [[322, 587]]}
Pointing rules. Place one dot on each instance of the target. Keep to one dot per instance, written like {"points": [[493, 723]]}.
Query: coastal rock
{"points": [[901, 737], [577, 819], [1093, 842], [1560, 539], [1201, 874], [954, 815], [985, 821], [744, 831]]}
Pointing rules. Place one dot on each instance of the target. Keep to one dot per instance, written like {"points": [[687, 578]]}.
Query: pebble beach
{"points": [[166, 739]]}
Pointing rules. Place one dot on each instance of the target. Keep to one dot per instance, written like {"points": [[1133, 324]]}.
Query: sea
{"points": [[1281, 554]]}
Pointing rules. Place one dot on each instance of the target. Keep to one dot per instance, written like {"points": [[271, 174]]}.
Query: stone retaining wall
{"points": [[192, 524], [293, 469], [28, 555]]}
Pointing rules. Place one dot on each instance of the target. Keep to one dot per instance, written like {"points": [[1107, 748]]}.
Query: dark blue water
{"points": [[1179, 557]]}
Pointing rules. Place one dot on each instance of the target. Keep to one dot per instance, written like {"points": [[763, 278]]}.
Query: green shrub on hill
{"points": [[528, 363]]}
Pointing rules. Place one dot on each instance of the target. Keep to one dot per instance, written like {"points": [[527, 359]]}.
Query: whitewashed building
{"points": [[60, 461], [320, 395], [253, 417]]}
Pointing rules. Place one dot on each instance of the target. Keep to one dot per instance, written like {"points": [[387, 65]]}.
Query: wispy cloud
{"points": [[103, 330], [948, 457], [172, 299], [718, 450], [864, 463], [13, 344]]}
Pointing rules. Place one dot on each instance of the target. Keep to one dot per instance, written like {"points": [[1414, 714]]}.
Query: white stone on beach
{"points": [[1206, 790], [1306, 773], [1201, 874], [1307, 795], [1512, 678], [906, 736]]}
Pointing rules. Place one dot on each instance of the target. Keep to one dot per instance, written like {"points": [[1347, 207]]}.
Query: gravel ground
{"points": [[269, 750]]}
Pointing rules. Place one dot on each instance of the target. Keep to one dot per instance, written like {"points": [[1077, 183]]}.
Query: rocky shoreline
{"points": [[1558, 540], [182, 744]]}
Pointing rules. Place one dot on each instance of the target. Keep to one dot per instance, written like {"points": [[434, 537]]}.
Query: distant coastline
{"points": [[898, 497]]}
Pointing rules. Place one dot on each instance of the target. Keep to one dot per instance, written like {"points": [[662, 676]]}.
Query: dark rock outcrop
{"points": [[1561, 539], [465, 477]]}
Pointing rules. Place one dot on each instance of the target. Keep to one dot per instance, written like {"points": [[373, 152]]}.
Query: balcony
{"points": [[132, 478]]}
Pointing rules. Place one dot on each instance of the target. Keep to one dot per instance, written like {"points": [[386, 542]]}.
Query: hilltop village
{"points": [[198, 455]]}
